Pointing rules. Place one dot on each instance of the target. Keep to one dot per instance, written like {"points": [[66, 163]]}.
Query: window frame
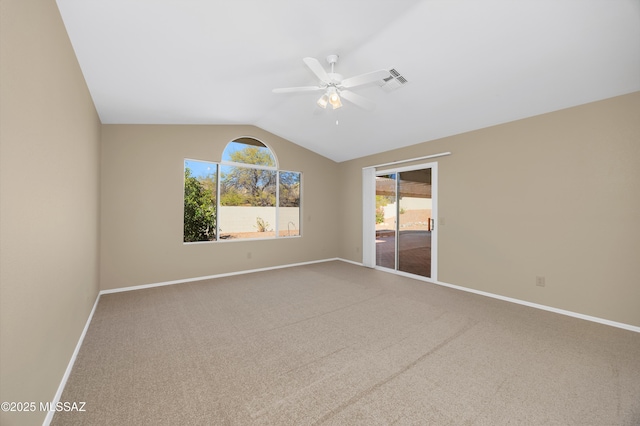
{"points": [[219, 167]]}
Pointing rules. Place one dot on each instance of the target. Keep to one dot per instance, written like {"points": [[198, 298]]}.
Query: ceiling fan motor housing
{"points": [[332, 59], [335, 78]]}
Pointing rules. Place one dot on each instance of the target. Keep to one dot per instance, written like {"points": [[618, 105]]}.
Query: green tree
{"points": [[289, 189], [256, 187], [257, 155], [229, 196], [199, 208]]}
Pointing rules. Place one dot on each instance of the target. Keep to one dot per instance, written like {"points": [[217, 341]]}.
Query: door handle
{"points": [[432, 224]]}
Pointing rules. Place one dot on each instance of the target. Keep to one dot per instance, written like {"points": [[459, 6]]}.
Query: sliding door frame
{"points": [[369, 229]]}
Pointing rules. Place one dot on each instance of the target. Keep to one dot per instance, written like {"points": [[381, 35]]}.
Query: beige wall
{"points": [[555, 195], [142, 206], [49, 147]]}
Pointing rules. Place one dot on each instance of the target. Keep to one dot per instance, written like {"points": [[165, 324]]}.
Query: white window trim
{"points": [[275, 168]]}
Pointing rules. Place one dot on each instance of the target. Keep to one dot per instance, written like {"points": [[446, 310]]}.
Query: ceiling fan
{"points": [[336, 87]]}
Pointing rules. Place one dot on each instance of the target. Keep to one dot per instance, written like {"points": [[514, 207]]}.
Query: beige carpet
{"points": [[338, 344]]}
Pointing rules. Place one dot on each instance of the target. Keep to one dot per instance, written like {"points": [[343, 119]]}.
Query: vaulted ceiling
{"points": [[469, 64]]}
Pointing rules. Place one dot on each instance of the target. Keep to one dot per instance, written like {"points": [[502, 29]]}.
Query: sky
{"points": [[200, 168]]}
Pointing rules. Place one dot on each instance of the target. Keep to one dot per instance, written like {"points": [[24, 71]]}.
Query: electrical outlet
{"points": [[540, 281], [248, 255]]}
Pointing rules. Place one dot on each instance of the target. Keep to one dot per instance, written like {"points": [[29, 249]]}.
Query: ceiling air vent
{"points": [[394, 81]]}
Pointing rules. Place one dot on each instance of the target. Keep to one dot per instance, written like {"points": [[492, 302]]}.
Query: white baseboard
{"points": [[208, 277], [350, 261], [512, 300], [72, 361], [545, 307], [441, 283]]}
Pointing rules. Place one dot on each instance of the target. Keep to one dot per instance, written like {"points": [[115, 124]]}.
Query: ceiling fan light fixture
{"points": [[323, 101], [336, 103], [334, 99]]}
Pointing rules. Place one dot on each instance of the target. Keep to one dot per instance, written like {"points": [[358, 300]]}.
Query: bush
{"points": [[262, 225]]}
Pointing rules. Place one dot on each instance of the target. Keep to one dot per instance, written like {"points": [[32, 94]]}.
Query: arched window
{"points": [[249, 151], [251, 197]]}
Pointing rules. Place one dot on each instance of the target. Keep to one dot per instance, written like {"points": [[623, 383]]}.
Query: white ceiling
{"points": [[470, 64]]}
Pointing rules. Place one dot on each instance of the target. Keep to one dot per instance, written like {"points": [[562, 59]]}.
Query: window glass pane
{"points": [[248, 151], [289, 213], [199, 201], [247, 202]]}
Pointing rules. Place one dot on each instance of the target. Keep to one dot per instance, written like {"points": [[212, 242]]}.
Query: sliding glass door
{"points": [[405, 208], [414, 222]]}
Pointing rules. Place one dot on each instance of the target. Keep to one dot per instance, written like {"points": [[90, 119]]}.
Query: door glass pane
{"points": [[414, 222], [386, 221]]}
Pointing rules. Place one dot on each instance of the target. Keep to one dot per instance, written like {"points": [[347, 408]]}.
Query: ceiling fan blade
{"points": [[317, 69], [358, 100], [367, 78], [297, 89]]}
